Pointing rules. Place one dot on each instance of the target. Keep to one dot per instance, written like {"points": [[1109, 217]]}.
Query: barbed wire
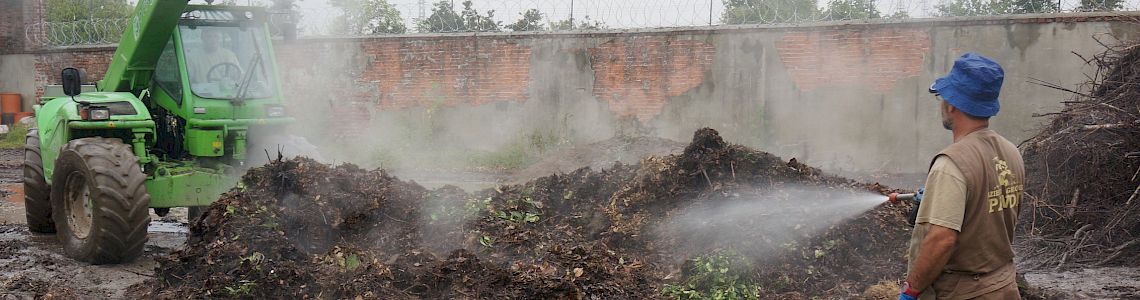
{"points": [[320, 18], [74, 33]]}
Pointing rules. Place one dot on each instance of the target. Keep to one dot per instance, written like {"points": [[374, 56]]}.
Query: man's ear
{"points": [[949, 109]]}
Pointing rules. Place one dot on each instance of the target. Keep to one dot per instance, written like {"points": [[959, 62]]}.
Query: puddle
{"points": [[13, 192], [167, 227]]}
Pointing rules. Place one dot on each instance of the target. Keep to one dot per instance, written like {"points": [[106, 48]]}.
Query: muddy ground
{"points": [[32, 266]]}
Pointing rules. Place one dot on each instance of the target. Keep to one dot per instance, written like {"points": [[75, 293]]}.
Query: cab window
{"points": [[166, 72]]}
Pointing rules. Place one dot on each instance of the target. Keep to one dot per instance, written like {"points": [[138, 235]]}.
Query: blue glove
{"points": [[918, 195], [905, 297]]}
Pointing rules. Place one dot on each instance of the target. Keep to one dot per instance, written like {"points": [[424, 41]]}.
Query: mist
{"points": [[758, 222]]}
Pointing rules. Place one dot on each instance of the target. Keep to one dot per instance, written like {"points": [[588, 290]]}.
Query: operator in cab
{"points": [[212, 62]]}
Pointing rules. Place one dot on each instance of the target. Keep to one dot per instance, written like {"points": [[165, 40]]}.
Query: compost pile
{"points": [[658, 229], [598, 155], [1082, 168]]}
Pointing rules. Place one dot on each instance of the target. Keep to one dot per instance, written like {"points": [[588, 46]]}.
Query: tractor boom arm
{"points": [[146, 34]]}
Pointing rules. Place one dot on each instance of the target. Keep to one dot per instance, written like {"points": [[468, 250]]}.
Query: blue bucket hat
{"points": [[972, 85]]}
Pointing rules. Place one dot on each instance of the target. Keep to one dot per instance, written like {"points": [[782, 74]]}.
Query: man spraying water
{"points": [[961, 246]]}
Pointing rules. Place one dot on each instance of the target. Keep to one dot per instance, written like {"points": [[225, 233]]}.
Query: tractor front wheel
{"points": [[99, 200]]}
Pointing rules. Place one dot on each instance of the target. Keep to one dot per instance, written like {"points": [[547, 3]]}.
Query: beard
{"points": [[946, 123]]}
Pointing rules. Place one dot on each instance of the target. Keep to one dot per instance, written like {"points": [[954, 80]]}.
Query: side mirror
{"points": [[72, 80]]}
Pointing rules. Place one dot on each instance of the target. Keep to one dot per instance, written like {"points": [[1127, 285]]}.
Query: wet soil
{"points": [[302, 229], [32, 266]]}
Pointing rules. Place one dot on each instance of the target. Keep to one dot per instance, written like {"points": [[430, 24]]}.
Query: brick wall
{"points": [[447, 71], [11, 26], [92, 61], [878, 58], [636, 76], [842, 96]]}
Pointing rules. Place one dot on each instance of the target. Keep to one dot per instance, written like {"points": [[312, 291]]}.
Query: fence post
{"points": [[571, 14]]}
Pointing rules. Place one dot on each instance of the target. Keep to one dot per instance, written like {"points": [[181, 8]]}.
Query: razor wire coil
{"points": [[76, 33]]}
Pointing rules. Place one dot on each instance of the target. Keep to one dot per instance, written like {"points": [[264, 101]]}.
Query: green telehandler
{"points": [[170, 125]]}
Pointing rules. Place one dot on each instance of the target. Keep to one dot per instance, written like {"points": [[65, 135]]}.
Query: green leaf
{"points": [[351, 262], [486, 241]]}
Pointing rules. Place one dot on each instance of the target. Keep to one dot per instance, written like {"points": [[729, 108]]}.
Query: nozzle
{"points": [[895, 197]]}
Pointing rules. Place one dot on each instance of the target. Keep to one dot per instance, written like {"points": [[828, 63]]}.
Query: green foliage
{"points": [[1101, 5], [243, 288], [768, 11], [585, 24], [518, 216], [14, 139], [368, 17], [968, 8], [852, 10], [476, 22], [86, 22], [531, 21], [1033, 6], [719, 275], [486, 241], [443, 18], [901, 14], [71, 10]]}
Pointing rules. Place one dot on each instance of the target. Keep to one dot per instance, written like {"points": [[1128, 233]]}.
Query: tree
{"points": [[284, 17], [852, 10], [585, 24], [531, 21], [477, 22], [768, 11], [368, 17], [443, 18], [900, 14], [967, 8], [1033, 6], [1101, 5]]}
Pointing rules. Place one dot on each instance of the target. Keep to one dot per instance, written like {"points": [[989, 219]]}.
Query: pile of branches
{"points": [[1082, 191]]}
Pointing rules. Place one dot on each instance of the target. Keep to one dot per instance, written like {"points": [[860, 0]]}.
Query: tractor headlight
{"points": [[96, 113], [274, 111]]}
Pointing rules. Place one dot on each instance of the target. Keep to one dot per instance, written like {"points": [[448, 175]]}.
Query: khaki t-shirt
{"points": [[943, 204]]}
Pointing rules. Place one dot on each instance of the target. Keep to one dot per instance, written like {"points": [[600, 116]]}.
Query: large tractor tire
{"points": [[37, 205], [100, 201]]}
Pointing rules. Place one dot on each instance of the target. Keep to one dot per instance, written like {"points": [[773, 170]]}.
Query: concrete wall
{"points": [[15, 75], [849, 97]]}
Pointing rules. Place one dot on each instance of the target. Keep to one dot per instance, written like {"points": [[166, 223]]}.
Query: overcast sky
{"points": [[318, 14]]}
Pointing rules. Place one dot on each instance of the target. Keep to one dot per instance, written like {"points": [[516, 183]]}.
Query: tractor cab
{"points": [[219, 52], [215, 76]]}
